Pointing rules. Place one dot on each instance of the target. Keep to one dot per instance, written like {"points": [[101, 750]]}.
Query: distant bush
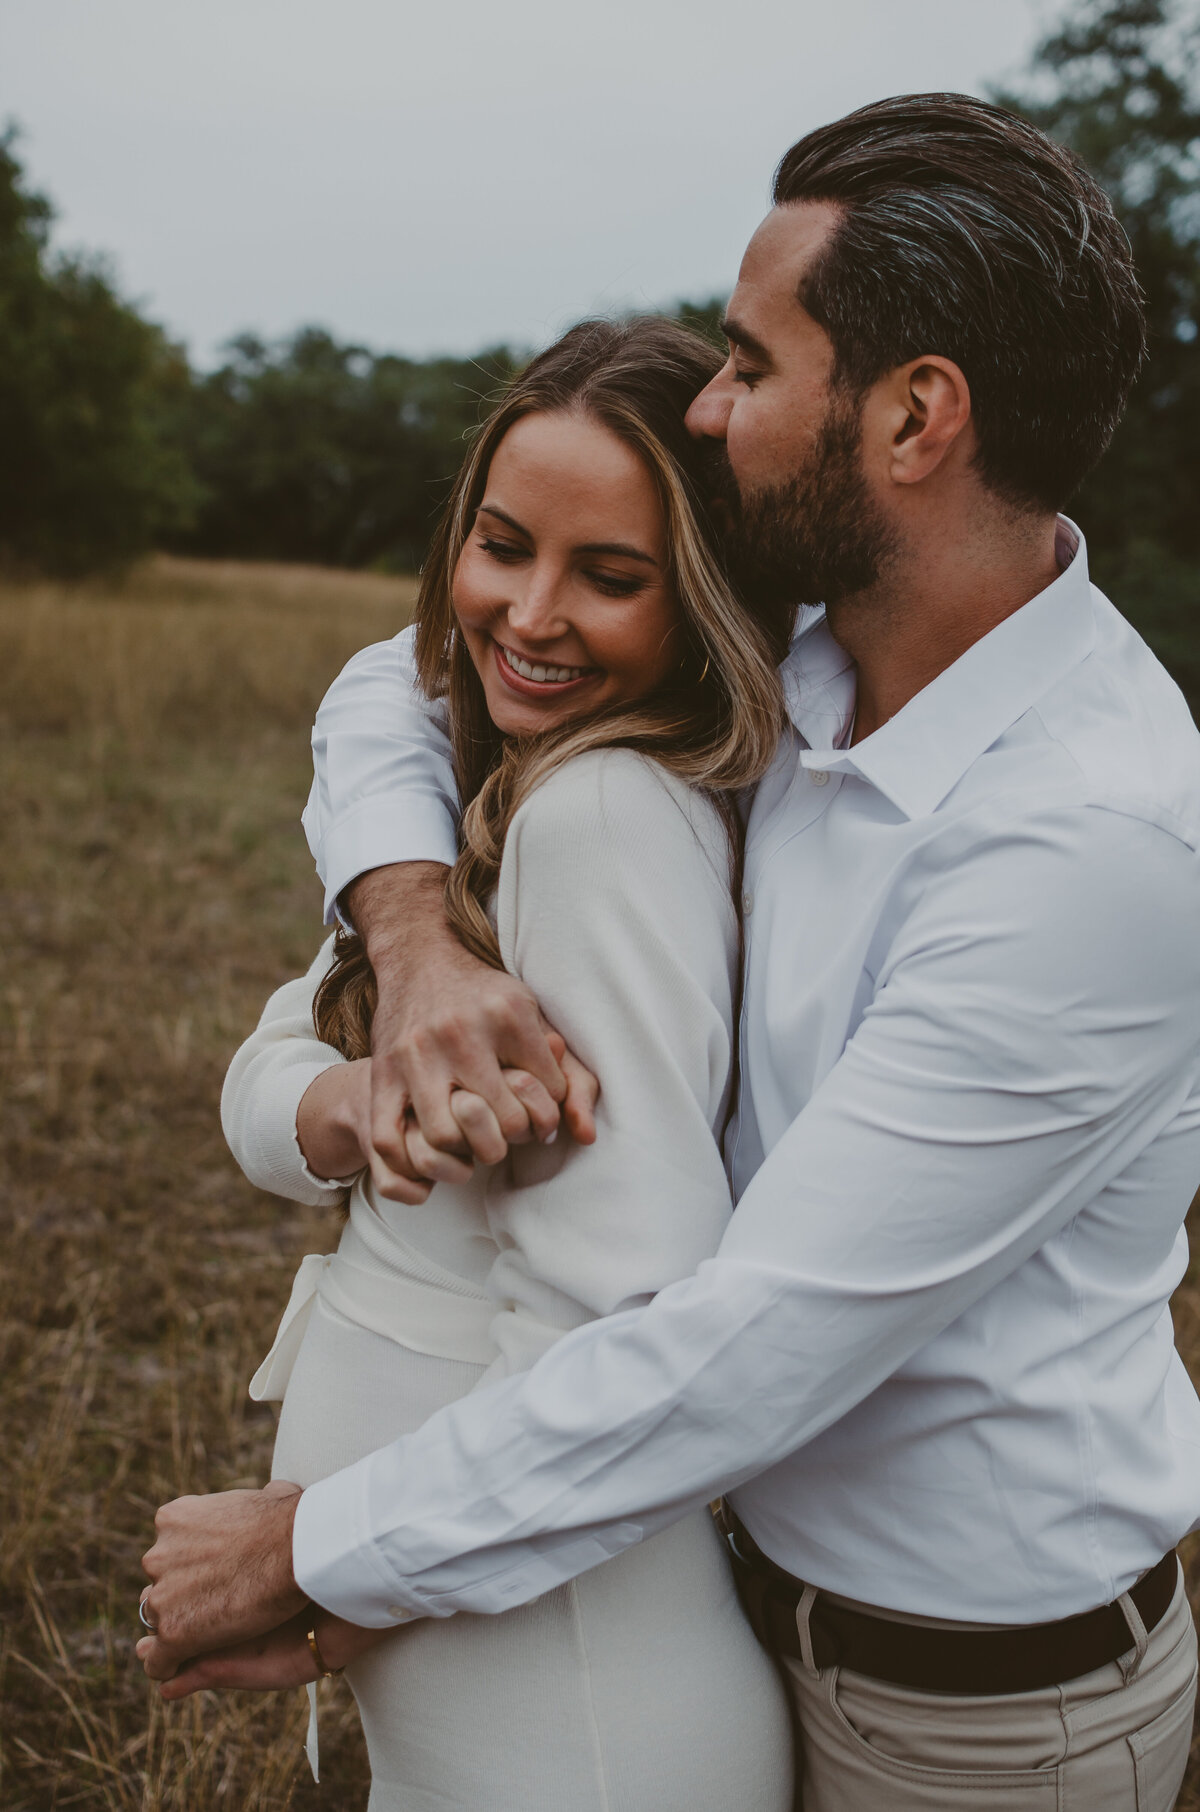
{"points": [[91, 469]]}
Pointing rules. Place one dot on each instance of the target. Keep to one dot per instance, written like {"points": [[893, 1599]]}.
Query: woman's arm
{"points": [[615, 908], [269, 1079]]}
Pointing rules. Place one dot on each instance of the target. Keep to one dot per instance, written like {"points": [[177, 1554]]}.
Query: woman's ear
{"points": [[924, 409]]}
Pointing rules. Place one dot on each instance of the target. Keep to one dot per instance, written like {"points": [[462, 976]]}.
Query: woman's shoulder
{"points": [[619, 798]]}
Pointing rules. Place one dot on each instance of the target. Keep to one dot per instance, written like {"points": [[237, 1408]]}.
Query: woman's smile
{"points": [[539, 678]]}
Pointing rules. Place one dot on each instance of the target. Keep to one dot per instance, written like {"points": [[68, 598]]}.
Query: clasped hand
{"points": [[226, 1609], [463, 1064]]}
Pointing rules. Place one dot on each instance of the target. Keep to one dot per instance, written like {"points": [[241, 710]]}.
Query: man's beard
{"points": [[815, 537]]}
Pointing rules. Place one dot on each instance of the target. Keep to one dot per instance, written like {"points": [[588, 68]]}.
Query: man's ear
{"points": [[926, 410]]}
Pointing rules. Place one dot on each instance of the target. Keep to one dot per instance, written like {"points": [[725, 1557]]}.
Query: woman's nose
{"points": [[708, 416], [535, 608]]}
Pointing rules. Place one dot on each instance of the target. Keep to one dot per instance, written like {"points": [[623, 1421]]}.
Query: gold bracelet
{"points": [[326, 1673]]}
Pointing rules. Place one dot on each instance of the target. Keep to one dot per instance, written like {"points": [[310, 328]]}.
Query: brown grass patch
{"points": [[153, 763]]}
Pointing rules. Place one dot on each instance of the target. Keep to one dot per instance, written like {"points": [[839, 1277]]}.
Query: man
{"points": [[931, 1365]]}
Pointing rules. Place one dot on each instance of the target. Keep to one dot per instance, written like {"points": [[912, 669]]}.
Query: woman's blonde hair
{"points": [[715, 723]]}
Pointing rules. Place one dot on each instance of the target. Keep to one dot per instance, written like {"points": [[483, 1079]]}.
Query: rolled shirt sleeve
{"points": [[383, 786], [1031, 1029]]}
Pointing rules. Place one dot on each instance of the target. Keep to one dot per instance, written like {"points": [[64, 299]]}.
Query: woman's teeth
{"points": [[536, 671]]}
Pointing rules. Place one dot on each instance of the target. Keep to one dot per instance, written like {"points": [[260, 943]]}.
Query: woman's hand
{"points": [[334, 1129], [333, 1121], [273, 1662]]}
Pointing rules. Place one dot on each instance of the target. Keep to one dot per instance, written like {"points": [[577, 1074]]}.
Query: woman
{"points": [[605, 697]]}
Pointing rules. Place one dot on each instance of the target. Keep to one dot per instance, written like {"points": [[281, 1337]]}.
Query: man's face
{"points": [[787, 440]]}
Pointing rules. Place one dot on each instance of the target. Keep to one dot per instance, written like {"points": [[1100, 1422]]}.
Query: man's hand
{"points": [[220, 1573], [458, 1047]]}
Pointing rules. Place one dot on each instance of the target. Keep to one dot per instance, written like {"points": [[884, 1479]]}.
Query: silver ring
{"points": [[144, 1620]]}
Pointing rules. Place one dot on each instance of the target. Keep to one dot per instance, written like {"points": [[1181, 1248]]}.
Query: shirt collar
{"points": [[919, 755]]}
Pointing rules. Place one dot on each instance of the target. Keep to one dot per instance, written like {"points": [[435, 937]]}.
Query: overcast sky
{"points": [[440, 176]]}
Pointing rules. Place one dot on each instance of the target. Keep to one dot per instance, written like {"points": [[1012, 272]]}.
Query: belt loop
{"points": [[808, 1598], [1130, 1663]]}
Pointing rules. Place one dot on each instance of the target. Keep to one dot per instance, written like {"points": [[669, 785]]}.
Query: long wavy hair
{"points": [[715, 722]]}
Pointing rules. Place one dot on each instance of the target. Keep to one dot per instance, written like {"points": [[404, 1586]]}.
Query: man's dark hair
{"points": [[966, 232]]}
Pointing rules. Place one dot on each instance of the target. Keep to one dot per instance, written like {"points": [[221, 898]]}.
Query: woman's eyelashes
{"points": [[612, 585], [615, 585], [505, 551]]}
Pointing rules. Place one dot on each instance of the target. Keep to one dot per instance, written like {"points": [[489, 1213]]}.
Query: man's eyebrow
{"points": [[589, 547], [737, 335]]}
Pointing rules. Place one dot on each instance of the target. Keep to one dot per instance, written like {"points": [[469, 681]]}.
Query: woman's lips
{"points": [[530, 687]]}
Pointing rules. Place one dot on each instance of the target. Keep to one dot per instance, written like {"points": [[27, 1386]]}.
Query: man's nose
{"points": [[708, 416]]}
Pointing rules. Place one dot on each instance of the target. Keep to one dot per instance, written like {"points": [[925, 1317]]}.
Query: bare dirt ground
{"points": [[153, 763]]}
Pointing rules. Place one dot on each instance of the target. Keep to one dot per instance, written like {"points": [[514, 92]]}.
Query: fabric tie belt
{"points": [[973, 1662], [446, 1321]]}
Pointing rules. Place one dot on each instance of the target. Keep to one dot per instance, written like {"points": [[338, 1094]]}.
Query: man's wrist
{"points": [[388, 905]]}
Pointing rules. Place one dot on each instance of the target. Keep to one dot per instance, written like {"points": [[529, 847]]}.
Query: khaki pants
{"points": [[1115, 1740]]}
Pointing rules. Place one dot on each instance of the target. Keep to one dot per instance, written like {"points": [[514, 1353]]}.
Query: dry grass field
{"points": [[153, 763]]}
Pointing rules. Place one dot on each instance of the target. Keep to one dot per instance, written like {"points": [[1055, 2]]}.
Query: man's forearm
{"points": [[399, 912]]}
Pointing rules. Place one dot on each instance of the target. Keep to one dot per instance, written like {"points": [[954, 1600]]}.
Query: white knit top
{"points": [[614, 907]]}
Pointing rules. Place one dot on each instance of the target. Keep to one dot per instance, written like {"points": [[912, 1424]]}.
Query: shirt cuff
{"points": [[387, 828], [333, 1555]]}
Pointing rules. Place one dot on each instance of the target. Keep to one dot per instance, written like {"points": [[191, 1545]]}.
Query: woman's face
{"points": [[561, 591]]}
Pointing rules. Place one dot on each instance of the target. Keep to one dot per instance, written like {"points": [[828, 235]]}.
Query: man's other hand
{"points": [[220, 1572]]}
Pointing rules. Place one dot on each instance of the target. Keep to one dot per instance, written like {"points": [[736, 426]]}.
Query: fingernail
{"points": [[550, 1137]]}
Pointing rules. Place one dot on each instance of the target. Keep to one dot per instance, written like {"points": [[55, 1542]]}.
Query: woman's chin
{"points": [[514, 715], [513, 718]]}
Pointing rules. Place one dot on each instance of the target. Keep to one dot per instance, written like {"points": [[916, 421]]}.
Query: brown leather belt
{"points": [[933, 1660]]}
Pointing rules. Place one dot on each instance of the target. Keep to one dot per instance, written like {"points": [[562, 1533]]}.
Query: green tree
{"points": [[1117, 81], [313, 450], [89, 475]]}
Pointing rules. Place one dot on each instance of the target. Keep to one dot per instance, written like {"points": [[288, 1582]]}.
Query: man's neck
{"points": [[929, 608]]}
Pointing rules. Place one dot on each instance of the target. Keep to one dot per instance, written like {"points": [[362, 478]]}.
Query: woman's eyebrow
{"points": [[616, 547], [588, 547], [489, 509]]}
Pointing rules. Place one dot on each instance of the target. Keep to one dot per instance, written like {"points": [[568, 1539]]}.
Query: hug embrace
{"points": [[758, 1058]]}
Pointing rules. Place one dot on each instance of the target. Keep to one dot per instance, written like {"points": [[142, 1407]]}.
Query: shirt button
{"points": [[818, 776], [399, 1613], [747, 902]]}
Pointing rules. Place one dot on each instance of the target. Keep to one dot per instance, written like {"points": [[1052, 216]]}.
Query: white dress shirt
{"points": [[933, 1357]]}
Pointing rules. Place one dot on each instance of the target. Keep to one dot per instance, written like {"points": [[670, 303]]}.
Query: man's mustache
{"points": [[719, 489]]}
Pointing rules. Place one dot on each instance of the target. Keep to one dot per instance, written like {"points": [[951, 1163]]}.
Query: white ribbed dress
{"points": [[638, 1687]]}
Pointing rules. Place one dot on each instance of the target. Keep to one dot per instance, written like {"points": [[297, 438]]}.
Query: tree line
{"points": [[310, 449]]}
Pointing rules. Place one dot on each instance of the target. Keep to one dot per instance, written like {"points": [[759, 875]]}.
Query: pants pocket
{"points": [[1160, 1753], [952, 1780]]}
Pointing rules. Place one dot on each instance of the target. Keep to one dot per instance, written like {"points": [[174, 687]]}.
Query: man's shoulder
{"points": [[1126, 726], [1114, 733]]}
